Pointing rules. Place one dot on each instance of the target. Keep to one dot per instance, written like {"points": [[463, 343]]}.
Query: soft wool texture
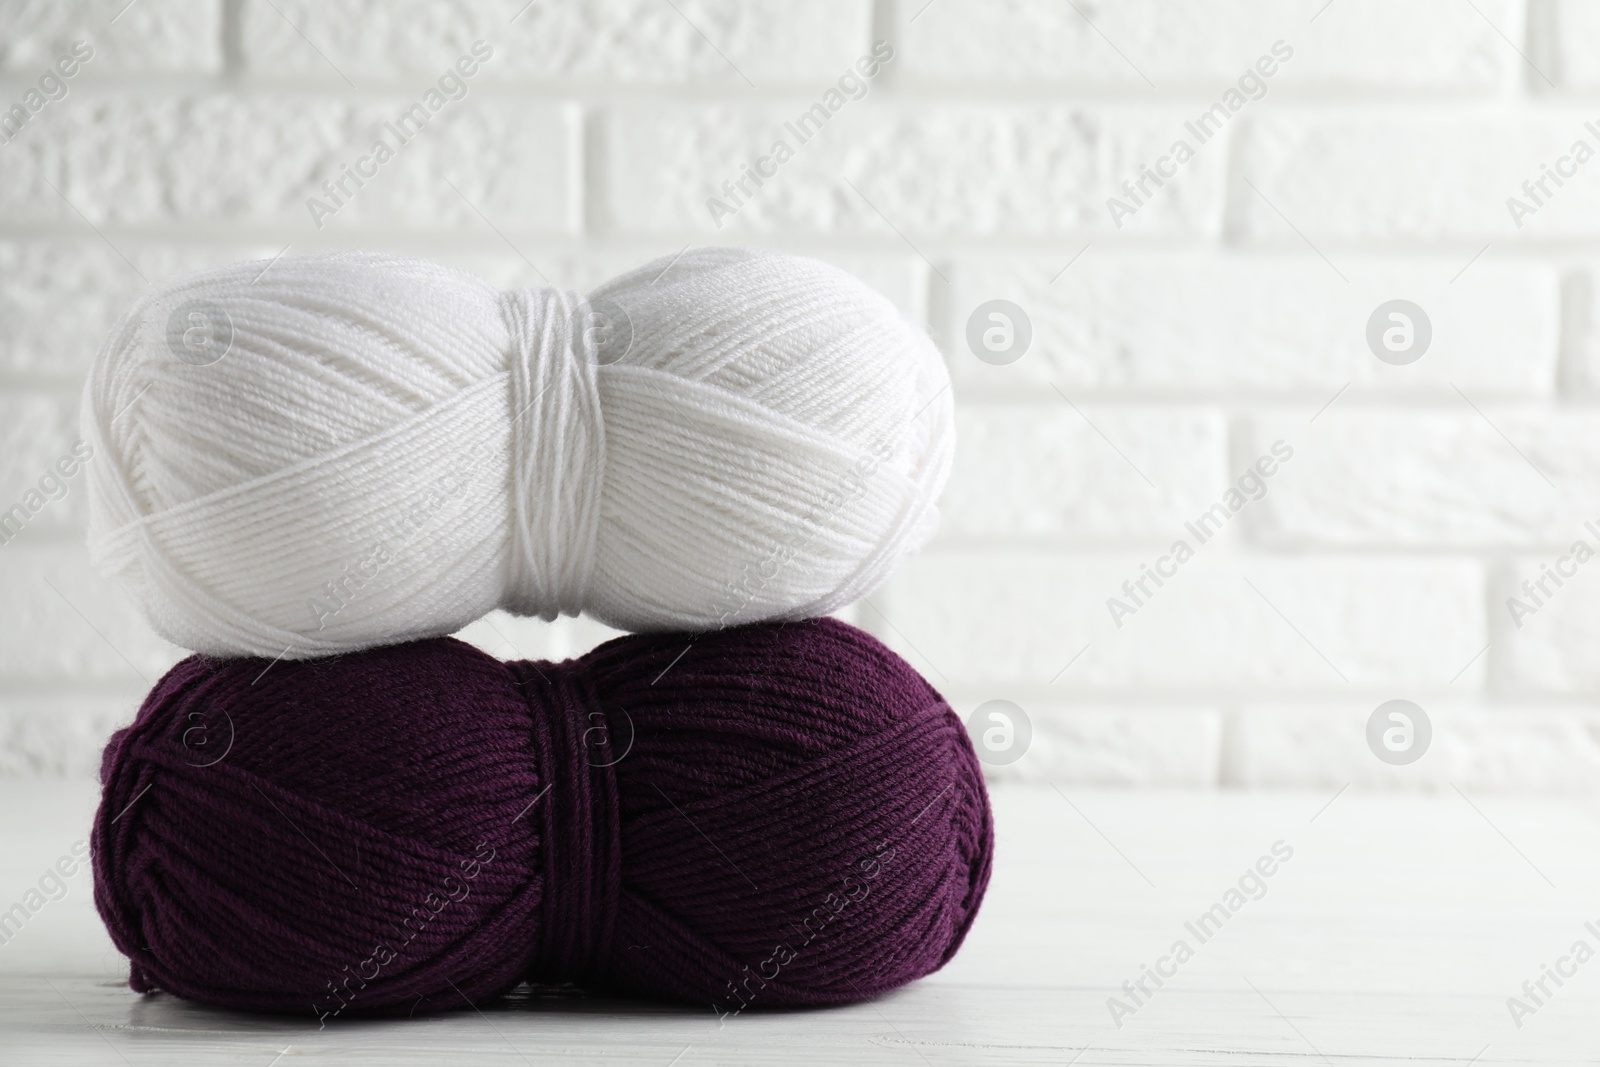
{"points": [[389, 449], [783, 814]]}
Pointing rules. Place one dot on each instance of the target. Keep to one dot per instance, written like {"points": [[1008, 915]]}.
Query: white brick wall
{"points": [[1227, 313]]}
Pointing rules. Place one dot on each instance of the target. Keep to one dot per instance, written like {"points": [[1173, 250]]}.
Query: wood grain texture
{"points": [[1393, 935]]}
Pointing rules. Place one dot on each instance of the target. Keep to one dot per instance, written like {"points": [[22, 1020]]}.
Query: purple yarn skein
{"points": [[769, 815]]}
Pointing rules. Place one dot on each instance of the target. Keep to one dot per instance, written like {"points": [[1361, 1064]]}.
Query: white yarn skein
{"points": [[354, 449]]}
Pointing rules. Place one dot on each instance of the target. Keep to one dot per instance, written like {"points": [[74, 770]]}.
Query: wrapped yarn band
{"points": [[582, 840], [361, 449], [558, 445], [783, 814]]}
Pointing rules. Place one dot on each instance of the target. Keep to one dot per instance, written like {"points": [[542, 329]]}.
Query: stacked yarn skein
{"points": [[334, 452], [329, 462], [769, 815]]}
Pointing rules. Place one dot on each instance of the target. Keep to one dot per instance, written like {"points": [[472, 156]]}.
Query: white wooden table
{"points": [[1394, 934]]}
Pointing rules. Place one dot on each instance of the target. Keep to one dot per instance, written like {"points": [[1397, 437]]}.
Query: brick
{"points": [[1441, 176], [1043, 472], [1527, 749], [1573, 29], [60, 735], [1582, 370], [1277, 324], [1430, 478], [249, 158], [1111, 745], [36, 431], [58, 301], [985, 619], [151, 35], [945, 169], [83, 629], [1353, 44], [59, 297], [1545, 644], [630, 41]]}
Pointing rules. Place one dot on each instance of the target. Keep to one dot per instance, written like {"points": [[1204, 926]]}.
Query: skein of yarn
{"points": [[783, 814], [338, 451]]}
